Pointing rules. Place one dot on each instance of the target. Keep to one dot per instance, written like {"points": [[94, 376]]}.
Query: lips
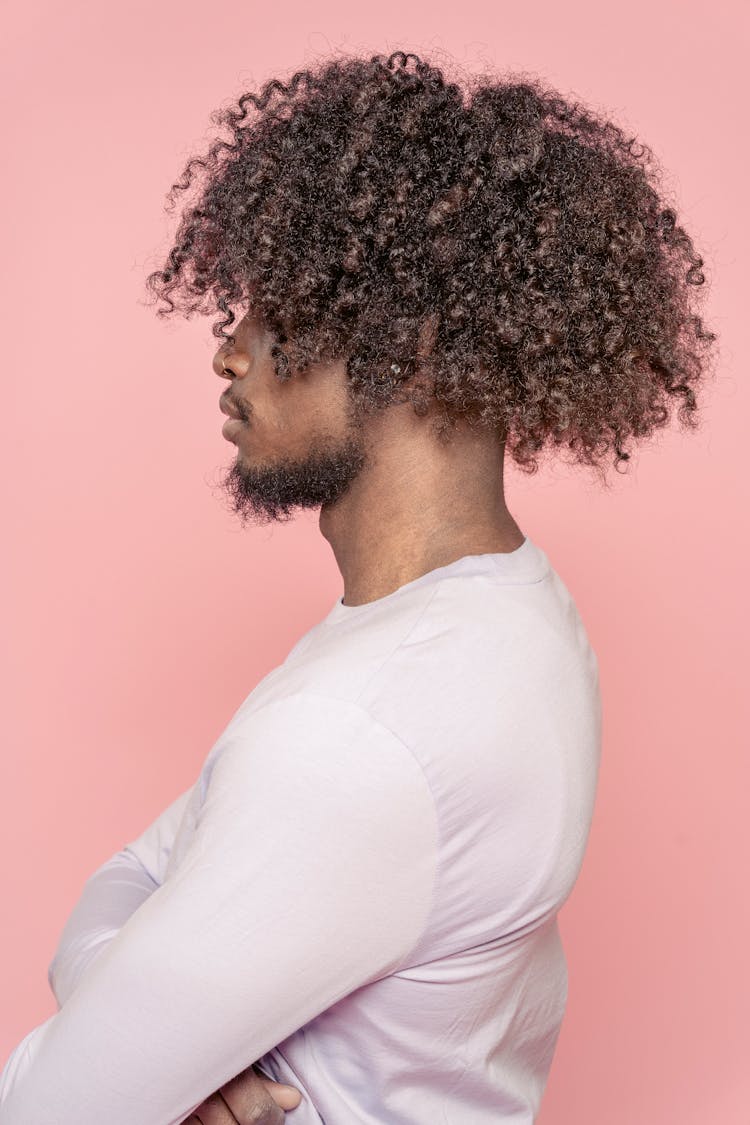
{"points": [[227, 408], [232, 428]]}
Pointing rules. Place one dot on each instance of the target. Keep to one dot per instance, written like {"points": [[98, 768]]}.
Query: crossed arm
{"points": [[110, 896], [308, 874]]}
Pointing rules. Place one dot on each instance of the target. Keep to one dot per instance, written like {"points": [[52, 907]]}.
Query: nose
{"points": [[227, 363]]}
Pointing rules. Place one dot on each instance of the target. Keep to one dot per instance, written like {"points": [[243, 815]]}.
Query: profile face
{"points": [[297, 442]]}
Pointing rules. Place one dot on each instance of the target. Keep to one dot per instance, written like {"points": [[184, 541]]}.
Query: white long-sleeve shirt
{"points": [[360, 892]]}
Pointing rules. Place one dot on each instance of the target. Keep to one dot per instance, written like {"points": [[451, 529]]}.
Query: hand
{"points": [[247, 1099]]}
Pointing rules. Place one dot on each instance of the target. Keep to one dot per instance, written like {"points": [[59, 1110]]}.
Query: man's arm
{"points": [[309, 874], [110, 896]]}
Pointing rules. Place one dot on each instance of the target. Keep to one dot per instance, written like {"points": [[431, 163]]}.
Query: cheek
{"points": [[312, 404], [304, 410]]}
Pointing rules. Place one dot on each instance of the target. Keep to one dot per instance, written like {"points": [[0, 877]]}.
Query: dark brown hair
{"points": [[366, 198]]}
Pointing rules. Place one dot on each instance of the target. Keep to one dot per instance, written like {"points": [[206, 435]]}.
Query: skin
{"points": [[247, 1099], [394, 504]]}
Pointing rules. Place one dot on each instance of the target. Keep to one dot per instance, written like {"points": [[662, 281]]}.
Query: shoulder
{"points": [[307, 743]]}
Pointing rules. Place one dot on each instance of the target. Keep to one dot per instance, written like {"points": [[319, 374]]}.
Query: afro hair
{"points": [[365, 200]]}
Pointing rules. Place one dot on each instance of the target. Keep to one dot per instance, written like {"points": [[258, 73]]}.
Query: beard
{"points": [[275, 491]]}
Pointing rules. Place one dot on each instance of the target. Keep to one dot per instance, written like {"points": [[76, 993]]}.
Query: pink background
{"points": [[138, 614]]}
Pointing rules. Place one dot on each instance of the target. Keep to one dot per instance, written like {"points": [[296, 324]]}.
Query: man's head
{"points": [[394, 494], [361, 201]]}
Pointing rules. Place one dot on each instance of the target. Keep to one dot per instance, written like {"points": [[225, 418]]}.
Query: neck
{"points": [[416, 506]]}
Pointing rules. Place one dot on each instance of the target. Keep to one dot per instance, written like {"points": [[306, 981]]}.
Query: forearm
{"points": [[109, 897]]}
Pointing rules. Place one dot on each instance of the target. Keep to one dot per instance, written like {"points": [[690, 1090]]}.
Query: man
{"points": [[360, 892]]}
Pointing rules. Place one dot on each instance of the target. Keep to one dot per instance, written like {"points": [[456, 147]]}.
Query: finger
{"points": [[250, 1101], [288, 1097], [214, 1111]]}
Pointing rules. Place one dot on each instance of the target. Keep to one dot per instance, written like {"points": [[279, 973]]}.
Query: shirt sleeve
{"points": [[308, 875], [109, 896]]}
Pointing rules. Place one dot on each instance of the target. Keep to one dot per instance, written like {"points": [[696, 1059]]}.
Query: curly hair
{"points": [[370, 199]]}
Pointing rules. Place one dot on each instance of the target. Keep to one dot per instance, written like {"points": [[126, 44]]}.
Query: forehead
{"points": [[244, 332], [245, 324], [251, 326]]}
